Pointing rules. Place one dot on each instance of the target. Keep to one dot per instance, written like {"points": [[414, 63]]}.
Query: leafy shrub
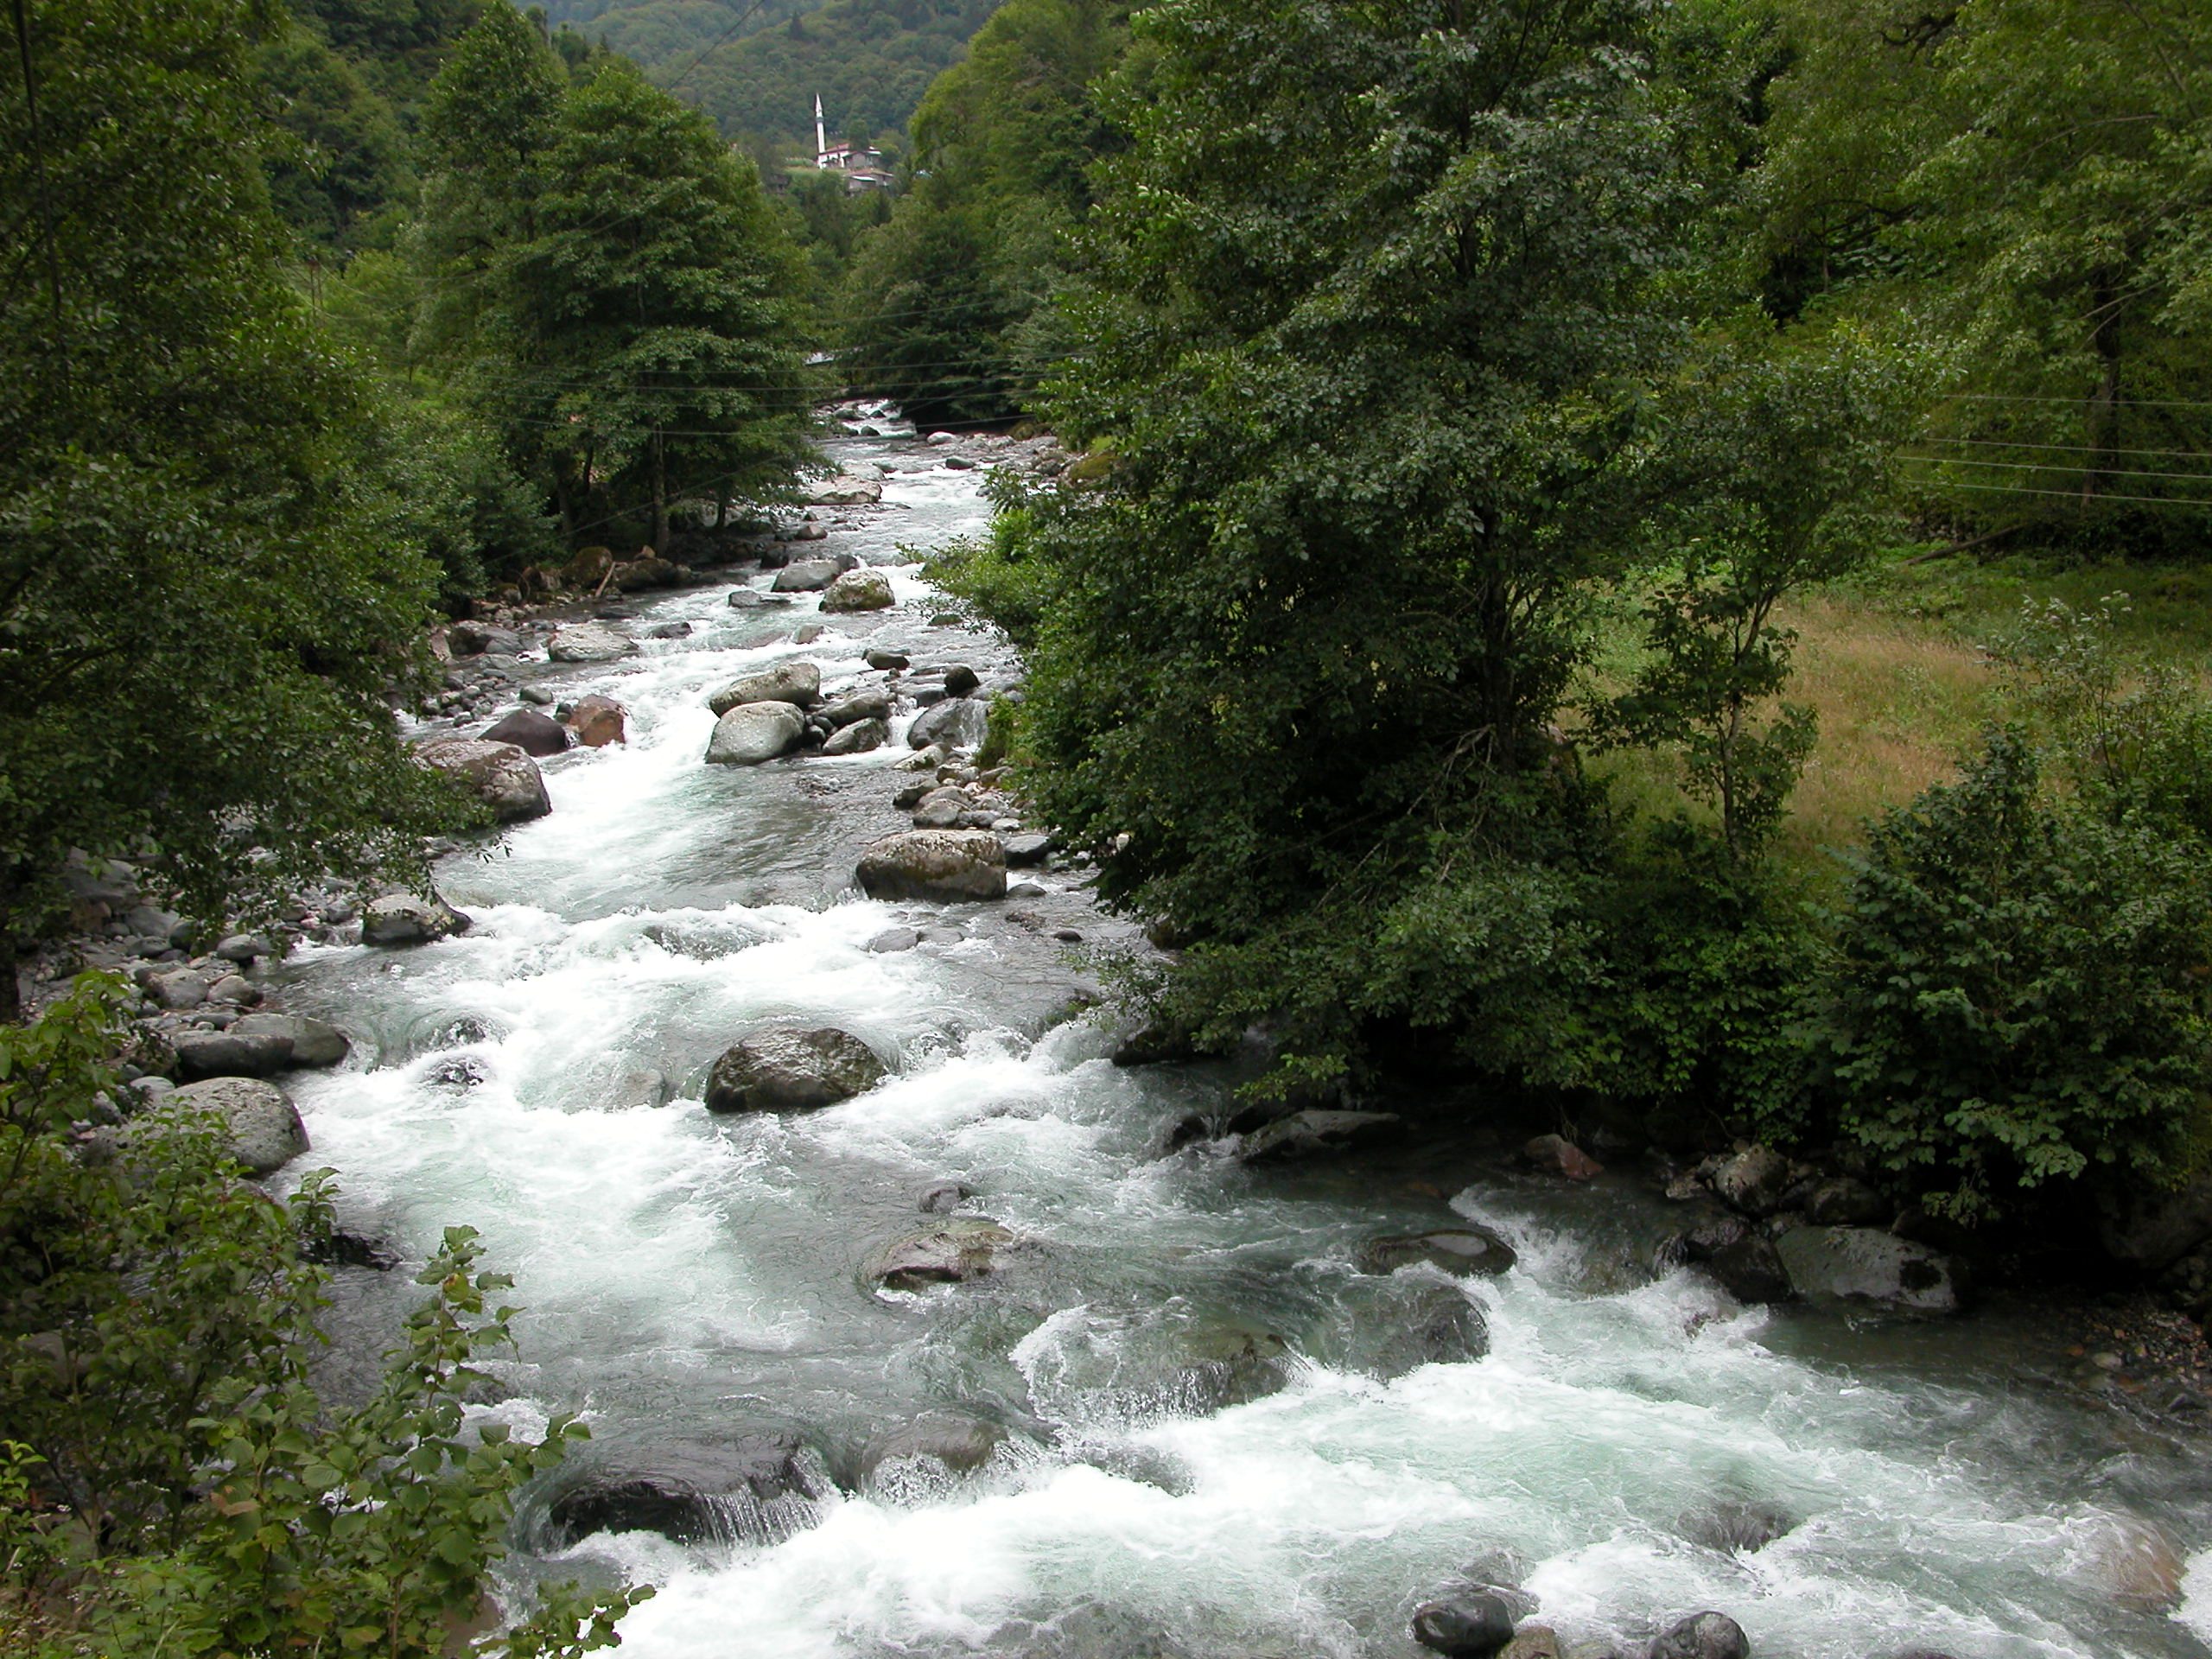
{"points": [[2021, 991]]}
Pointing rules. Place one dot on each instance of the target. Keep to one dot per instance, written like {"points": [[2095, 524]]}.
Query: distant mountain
{"points": [[869, 60]]}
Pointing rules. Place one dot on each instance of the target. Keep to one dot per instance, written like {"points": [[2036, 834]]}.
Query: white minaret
{"points": [[821, 143]]}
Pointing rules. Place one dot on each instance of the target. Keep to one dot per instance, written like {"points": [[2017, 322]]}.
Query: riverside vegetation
{"points": [[1484, 412]]}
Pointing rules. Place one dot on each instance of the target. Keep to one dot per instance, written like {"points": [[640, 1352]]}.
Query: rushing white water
{"points": [[1222, 1439]]}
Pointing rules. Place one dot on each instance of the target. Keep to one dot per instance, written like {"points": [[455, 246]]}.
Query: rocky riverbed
{"points": [[908, 1322]]}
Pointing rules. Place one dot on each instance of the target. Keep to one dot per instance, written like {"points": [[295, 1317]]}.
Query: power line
{"points": [[2044, 467], [2076, 495], [2125, 402], [2074, 448]]}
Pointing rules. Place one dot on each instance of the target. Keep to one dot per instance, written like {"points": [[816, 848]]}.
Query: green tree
{"points": [[200, 609]]}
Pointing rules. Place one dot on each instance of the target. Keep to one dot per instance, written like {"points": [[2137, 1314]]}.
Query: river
{"points": [[1219, 1439]]}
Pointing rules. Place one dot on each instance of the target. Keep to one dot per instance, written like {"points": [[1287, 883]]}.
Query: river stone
{"points": [[2153, 1227], [264, 1126], [597, 722], [874, 704], [693, 1492], [951, 1251], [1844, 1202], [790, 1070], [949, 865], [805, 576], [1864, 1264], [944, 1198], [956, 723], [533, 732], [1561, 1156], [472, 638], [753, 732], [895, 938], [858, 737], [844, 492], [961, 1443], [406, 918], [1703, 1636], [307, 1042], [1032, 847], [1753, 1181], [231, 1053], [1533, 1641], [943, 808], [1740, 1256], [859, 590], [1302, 1134], [797, 684], [1473, 1626], [1736, 1527], [177, 989], [889, 660], [587, 642], [498, 775], [1459, 1250]]}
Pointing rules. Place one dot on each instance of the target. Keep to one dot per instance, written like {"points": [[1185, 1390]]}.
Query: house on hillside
{"points": [[863, 168]]}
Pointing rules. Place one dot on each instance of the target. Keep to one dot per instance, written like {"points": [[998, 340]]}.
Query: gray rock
{"points": [[532, 732], [587, 642], [764, 1486], [947, 865], [858, 737], [537, 694], [642, 1089], [264, 1126], [961, 1443], [895, 938], [1741, 1257], [1703, 1636], [1753, 1181], [1304, 1134], [178, 988], [1843, 1202], [235, 991], [1736, 1527], [1026, 890], [874, 704], [498, 775], [2154, 1227], [753, 732], [859, 590], [956, 723], [943, 808], [231, 1053], [242, 947], [1862, 1264], [944, 1198], [789, 1070], [805, 576], [1460, 1250], [1473, 1626], [307, 1042], [886, 659], [951, 1251], [960, 680], [406, 918], [472, 639], [795, 682], [807, 632], [1026, 849], [843, 491]]}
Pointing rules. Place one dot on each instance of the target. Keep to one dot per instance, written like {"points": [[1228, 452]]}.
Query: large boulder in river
{"points": [[875, 702], [949, 865], [948, 1252], [956, 723], [1703, 1636], [1739, 1256], [1754, 1181], [859, 590], [790, 1070], [258, 1119], [1460, 1251], [844, 492], [796, 684], [805, 576], [760, 1489], [410, 919], [530, 731], [231, 1053], [1864, 1264], [498, 775], [597, 722], [307, 1042], [753, 732], [586, 642], [858, 737], [1303, 1135], [1474, 1625]]}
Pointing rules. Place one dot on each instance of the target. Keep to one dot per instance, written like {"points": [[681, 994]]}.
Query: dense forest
{"points": [[1480, 412]]}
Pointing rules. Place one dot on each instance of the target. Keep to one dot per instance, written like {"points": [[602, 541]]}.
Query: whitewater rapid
{"points": [[689, 1278]]}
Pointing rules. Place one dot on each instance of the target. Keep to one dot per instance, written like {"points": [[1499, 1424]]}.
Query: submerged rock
{"points": [[950, 1252], [1460, 1250], [948, 865], [792, 1070], [1302, 1134], [953, 1439], [1862, 1264], [498, 775], [1736, 1526], [761, 1488]]}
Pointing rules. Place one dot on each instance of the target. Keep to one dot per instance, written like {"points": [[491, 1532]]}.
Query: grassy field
{"points": [[1892, 663]]}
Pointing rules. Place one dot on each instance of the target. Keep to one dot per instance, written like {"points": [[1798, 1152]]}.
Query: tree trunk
{"points": [[11, 992], [660, 496], [2103, 434]]}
